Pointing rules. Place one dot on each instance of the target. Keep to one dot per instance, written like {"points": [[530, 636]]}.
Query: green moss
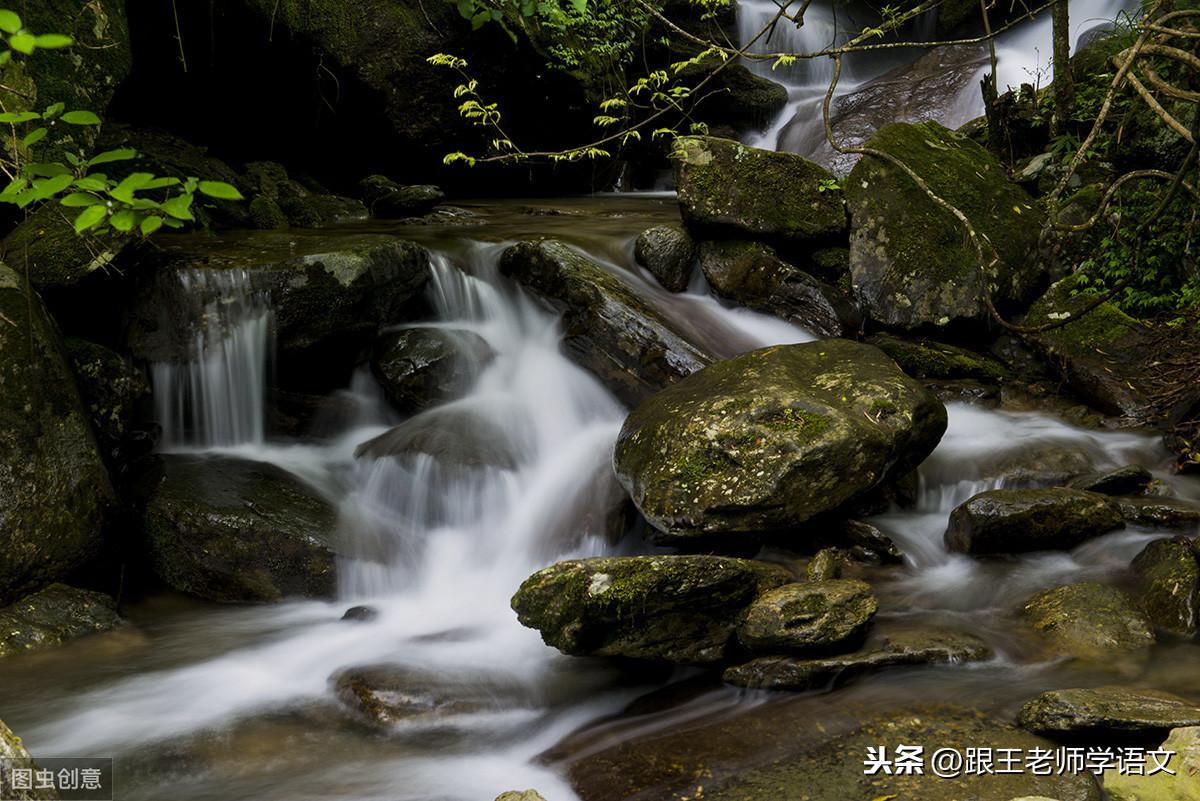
{"points": [[797, 421], [1102, 326]]}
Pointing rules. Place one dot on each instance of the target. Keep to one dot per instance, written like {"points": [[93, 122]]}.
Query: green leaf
{"points": [[53, 41], [171, 222], [220, 190], [23, 42], [150, 225], [123, 220], [19, 116], [10, 23], [159, 183], [34, 136], [54, 110], [93, 183], [120, 154], [48, 170], [81, 199], [179, 207], [130, 184], [50, 187], [5, 57], [89, 218], [80, 118]]}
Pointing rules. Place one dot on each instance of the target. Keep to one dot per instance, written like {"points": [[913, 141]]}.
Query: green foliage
{"points": [[138, 203]]}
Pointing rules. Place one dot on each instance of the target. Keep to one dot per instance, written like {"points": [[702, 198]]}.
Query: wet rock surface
{"points": [[1010, 521], [668, 253], [1170, 591], [53, 616], [822, 615], [1092, 622], [421, 367], [1102, 713]]}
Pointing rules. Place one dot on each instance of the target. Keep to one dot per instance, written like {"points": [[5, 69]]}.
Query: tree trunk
{"points": [[1064, 84]]}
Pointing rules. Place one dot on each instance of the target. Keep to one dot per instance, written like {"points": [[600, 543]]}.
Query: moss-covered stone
{"points": [[46, 248], [109, 385], [668, 253], [1016, 520], [15, 755], [236, 531], [825, 615], [753, 275], [912, 261], [609, 330], [1181, 783], [386, 198], [1102, 713], [679, 609], [55, 493], [769, 439], [266, 215], [937, 360], [727, 188], [421, 367], [1155, 512], [53, 616], [1170, 589], [1093, 622]]}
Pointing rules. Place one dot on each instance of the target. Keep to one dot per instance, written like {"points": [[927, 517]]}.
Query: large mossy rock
{"points": [[55, 493], [1016, 520], [1152, 512], [677, 609], [46, 248], [752, 275], [769, 439], [236, 531], [421, 367], [53, 616], [609, 330], [1170, 592], [912, 263], [1101, 713], [809, 616], [728, 189], [1182, 783], [939, 361], [1093, 622]]}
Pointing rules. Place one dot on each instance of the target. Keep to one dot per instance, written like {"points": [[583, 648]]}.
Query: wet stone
{"points": [[1104, 713]]}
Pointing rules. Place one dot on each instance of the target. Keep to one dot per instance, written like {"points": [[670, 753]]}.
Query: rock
{"points": [[320, 211], [826, 564], [55, 493], [736, 97], [866, 543], [751, 274], [57, 260], [1105, 713], [1154, 512], [14, 755], [668, 253], [386, 198], [1170, 585], [422, 367], [936, 360], [610, 331], [54, 615], [1183, 440], [769, 439], [810, 616], [891, 646], [1132, 479], [1090, 621], [678, 609], [520, 795], [912, 263], [1101, 355], [390, 694], [1017, 520], [728, 189], [453, 436], [265, 214], [1182, 783], [235, 531], [361, 614], [110, 386]]}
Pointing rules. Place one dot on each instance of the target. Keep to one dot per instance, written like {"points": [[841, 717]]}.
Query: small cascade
{"points": [[217, 398]]}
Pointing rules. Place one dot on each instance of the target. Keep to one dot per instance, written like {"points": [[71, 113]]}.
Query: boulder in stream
{"points": [[386, 198], [1155, 512], [1017, 520], [768, 440], [936, 360], [386, 695], [677, 609], [809, 616], [53, 616], [609, 330], [668, 253], [1093, 622], [1131, 479], [231, 530], [1105, 713], [1170, 592], [1182, 783], [13, 754], [422, 367], [913, 265]]}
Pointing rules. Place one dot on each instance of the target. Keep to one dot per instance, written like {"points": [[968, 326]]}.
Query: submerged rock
{"points": [[890, 646], [53, 616], [234, 531], [809, 616], [422, 367], [751, 274], [1170, 592], [912, 263], [728, 189], [1129, 480], [1102, 713], [386, 198], [767, 440], [1156, 512], [1016, 520], [1090, 621], [55, 494], [678, 609], [390, 694], [632, 348], [668, 253]]}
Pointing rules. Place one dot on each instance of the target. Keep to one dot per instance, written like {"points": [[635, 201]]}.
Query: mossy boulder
{"points": [[936, 360], [1090, 621], [1170, 591], [56, 259], [677, 609], [728, 189], [827, 615], [421, 367], [1154, 512], [668, 253], [110, 386], [1104, 713], [736, 96], [265, 214], [55, 494], [386, 198], [609, 330], [912, 262], [14, 755], [53, 616], [752, 275], [1182, 783], [769, 439], [1016, 520], [236, 531]]}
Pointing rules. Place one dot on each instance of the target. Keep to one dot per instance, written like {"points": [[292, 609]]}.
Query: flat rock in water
{"points": [[1170, 591], [1102, 713], [1012, 521], [1091, 621], [386, 695], [53, 616], [1161, 513], [809, 616]]}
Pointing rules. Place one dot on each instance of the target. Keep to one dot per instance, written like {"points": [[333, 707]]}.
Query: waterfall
{"points": [[217, 397]]}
